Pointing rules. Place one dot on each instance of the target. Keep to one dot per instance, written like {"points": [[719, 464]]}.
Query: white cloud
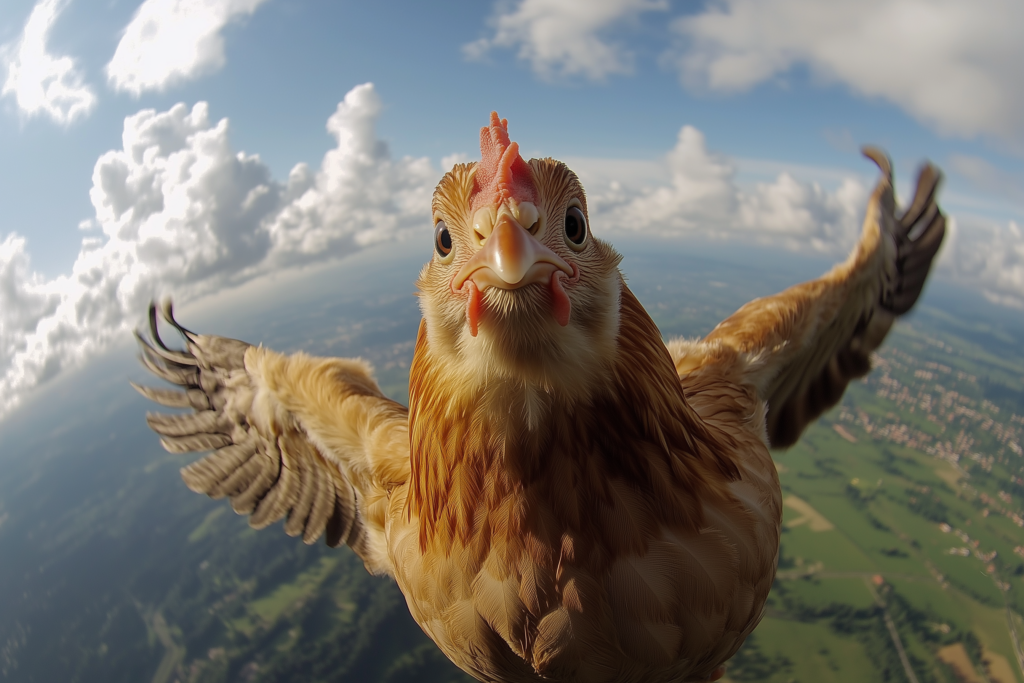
{"points": [[39, 82], [564, 37], [183, 213], [990, 257], [360, 196], [953, 65], [694, 192], [169, 41], [703, 198], [447, 162], [25, 298]]}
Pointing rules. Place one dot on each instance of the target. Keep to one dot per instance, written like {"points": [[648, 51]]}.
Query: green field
{"points": [[906, 501]]}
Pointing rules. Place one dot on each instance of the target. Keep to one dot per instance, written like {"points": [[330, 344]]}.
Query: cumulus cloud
{"points": [[180, 211], [25, 299], [39, 82], [170, 41], [989, 256], [704, 199], [565, 37], [360, 196], [951, 65]]}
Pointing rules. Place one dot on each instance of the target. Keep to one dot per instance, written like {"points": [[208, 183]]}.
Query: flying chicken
{"points": [[566, 498]]}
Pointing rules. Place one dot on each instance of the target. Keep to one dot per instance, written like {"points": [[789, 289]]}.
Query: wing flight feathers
{"points": [[800, 349], [265, 459]]}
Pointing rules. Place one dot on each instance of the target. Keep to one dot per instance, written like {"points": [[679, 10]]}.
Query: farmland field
{"points": [[904, 504]]}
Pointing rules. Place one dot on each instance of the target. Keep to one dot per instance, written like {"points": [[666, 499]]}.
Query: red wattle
{"points": [[474, 307], [560, 304]]}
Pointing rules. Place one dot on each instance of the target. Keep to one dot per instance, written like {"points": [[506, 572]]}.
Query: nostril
{"points": [[483, 223], [533, 229]]}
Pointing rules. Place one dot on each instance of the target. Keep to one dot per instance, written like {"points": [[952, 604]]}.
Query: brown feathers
{"points": [[801, 348], [566, 499], [269, 468], [558, 504], [466, 461]]}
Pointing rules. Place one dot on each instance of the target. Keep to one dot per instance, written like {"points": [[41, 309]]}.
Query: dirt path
{"points": [[1015, 638], [814, 520], [889, 624]]}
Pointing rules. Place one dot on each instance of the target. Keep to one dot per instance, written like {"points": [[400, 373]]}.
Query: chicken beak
{"points": [[512, 258]]}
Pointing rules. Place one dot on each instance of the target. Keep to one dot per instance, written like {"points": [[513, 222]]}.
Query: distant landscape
{"points": [[903, 548], [902, 555]]}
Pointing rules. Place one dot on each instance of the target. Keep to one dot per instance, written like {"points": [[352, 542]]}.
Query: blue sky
{"points": [[733, 119]]}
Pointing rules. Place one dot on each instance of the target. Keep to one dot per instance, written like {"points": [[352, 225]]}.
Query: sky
{"points": [[175, 147]]}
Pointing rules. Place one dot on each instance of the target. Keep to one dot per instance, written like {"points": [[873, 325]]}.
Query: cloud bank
{"points": [[702, 198], [171, 41], [40, 83], [989, 257], [954, 66], [179, 211]]}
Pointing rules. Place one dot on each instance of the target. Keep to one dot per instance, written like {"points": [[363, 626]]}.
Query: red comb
{"points": [[501, 173]]}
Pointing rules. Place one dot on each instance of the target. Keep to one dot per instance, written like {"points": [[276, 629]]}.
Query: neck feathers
{"points": [[480, 465]]}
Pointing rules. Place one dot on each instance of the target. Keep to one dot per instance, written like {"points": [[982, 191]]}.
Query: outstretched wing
{"points": [[799, 349], [308, 439]]}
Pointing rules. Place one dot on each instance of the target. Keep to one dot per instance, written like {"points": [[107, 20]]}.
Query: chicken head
{"points": [[518, 286]]}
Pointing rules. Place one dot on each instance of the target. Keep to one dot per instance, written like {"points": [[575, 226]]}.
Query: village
{"points": [[938, 410]]}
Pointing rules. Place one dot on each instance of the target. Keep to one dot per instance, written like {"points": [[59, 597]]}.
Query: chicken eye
{"points": [[575, 227], [442, 239]]}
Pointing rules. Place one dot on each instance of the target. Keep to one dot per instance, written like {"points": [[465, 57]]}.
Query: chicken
{"points": [[567, 498]]}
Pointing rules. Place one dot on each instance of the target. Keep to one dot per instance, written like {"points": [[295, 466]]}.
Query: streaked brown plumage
{"points": [[566, 498]]}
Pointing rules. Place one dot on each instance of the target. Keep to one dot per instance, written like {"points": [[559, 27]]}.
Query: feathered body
{"points": [[566, 498]]}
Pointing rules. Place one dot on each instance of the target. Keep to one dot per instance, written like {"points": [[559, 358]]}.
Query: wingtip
{"points": [[160, 349], [929, 179], [881, 159], [167, 313]]}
